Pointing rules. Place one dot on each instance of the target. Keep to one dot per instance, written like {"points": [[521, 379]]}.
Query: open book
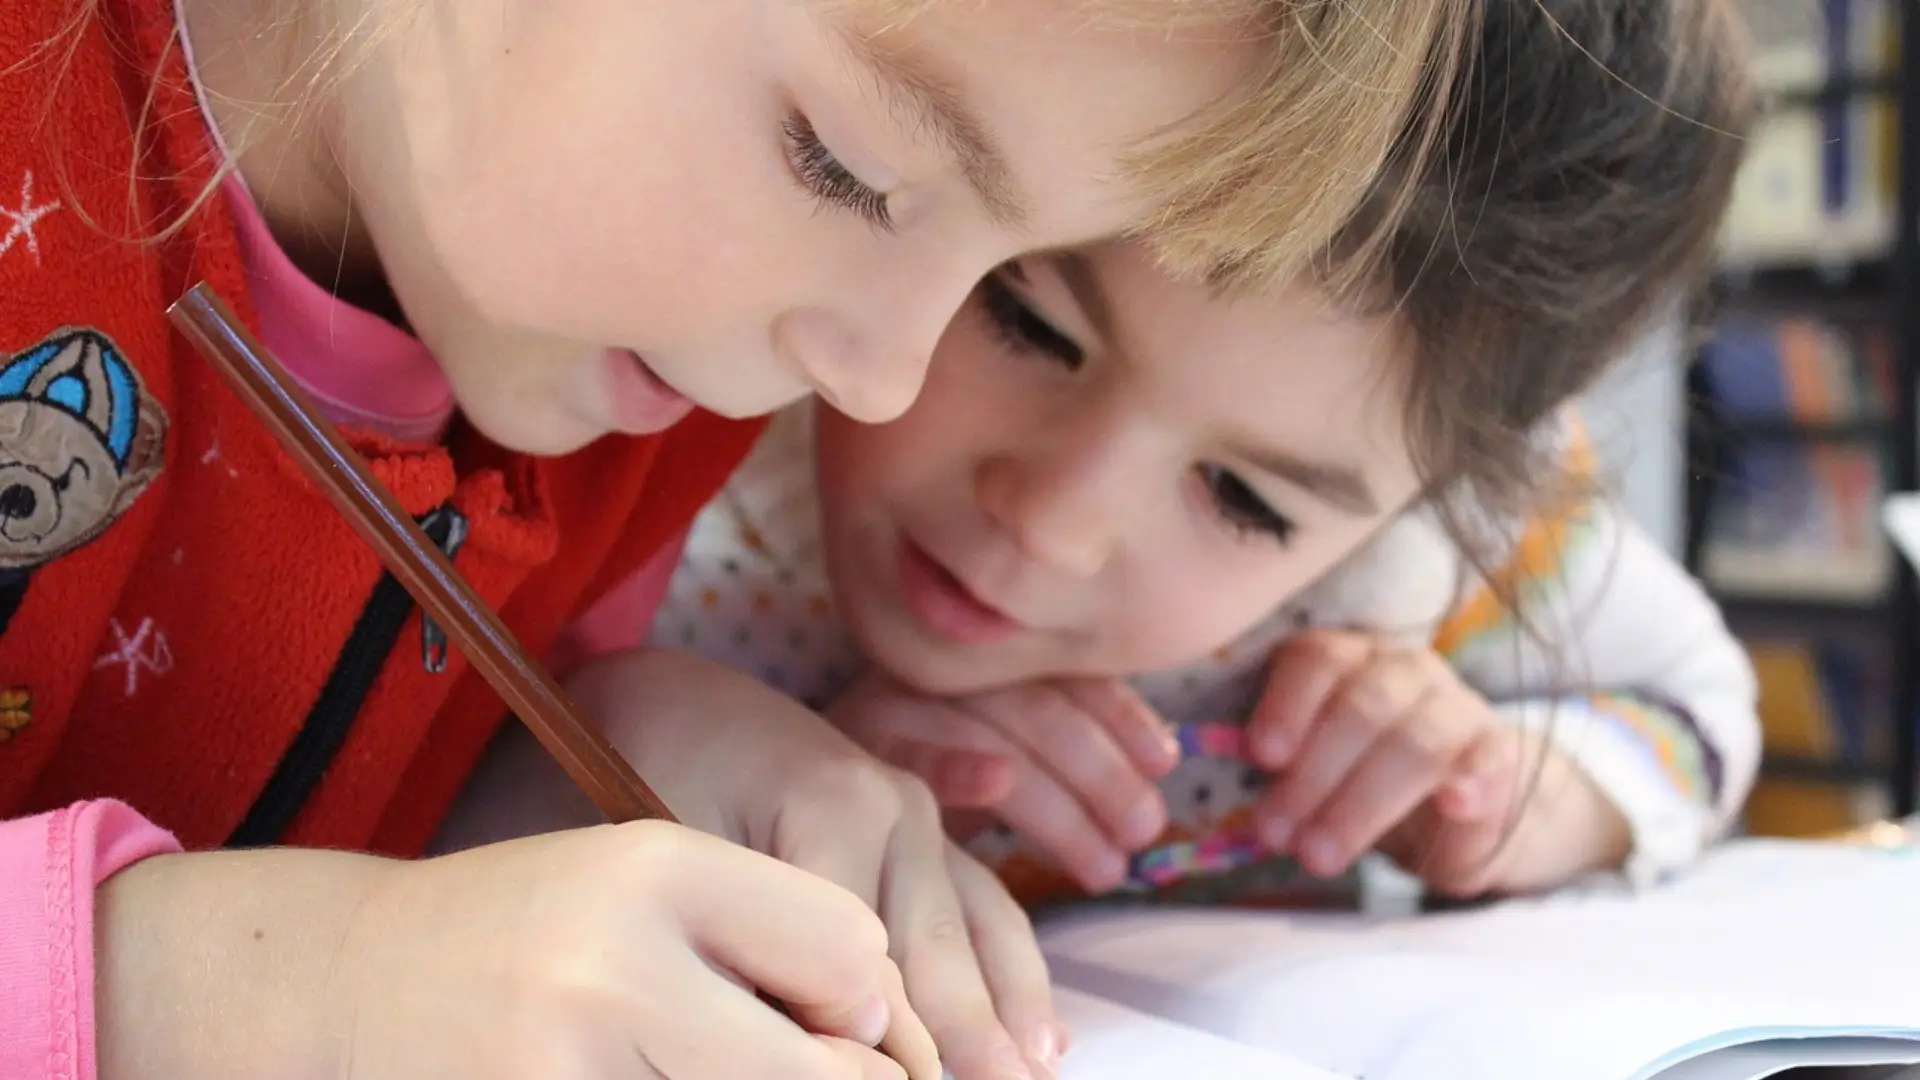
{"points": [[1770, 955]]}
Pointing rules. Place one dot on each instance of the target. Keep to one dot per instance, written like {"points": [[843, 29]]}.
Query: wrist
{"points": [[229, 964], [1567, 828]]}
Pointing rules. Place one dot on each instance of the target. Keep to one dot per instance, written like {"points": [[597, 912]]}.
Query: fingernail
{"points": [[1277, 832], [870, 1022], [1461, 796], [1062, 1039], [1107, 872], [1319, 854], [1275, 749], [1169, 744], [1010, 1064], [1046, 1049], [1144, 822]]}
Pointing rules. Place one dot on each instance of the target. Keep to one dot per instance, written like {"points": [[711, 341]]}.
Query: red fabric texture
{"points": [[166, 655]]}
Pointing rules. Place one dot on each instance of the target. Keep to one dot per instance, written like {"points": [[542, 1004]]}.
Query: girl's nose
{"points": [[867, 355], [1058, 515]]}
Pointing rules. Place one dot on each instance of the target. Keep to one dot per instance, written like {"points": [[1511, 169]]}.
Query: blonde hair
{"points": [[1253, 189]]}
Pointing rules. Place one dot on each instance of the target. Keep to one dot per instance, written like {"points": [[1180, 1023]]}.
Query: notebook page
{"points": [[1765, 938], [1804, 921], [1398, 1012], [1111, 1042]]}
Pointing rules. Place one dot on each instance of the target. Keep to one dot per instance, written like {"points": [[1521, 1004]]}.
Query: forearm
{"points": [[229, 965]]}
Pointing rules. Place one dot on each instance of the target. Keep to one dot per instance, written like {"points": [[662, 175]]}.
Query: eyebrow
{"points": [[934, 104], [1339, 486]]}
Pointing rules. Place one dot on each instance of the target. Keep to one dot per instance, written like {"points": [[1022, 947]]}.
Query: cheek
{"points": [[889, 469], [625, 223], [1182, 620], [954, 423], [1199, 595]]}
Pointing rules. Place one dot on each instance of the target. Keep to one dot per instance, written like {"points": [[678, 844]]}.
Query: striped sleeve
{"points": [[1616, 654]]}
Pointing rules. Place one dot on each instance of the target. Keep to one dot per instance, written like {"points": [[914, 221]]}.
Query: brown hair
{"points": [[1590, 152]]}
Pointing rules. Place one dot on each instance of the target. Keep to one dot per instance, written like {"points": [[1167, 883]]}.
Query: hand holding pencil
{"points": [[634, 950]]}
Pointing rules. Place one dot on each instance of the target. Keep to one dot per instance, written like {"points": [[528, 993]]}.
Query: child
{"points": [[1116, 473], [595, 217]]}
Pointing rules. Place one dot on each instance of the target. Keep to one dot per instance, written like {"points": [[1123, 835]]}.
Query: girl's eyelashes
{"points": [[1023, 329], [823, 177], [1242, 508]]}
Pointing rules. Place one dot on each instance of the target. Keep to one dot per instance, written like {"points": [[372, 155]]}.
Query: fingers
{"points": [[935, 951], [1139, 732], [909, 1044], [1357, 712], [1457, 842], [1306, 673], [1049, 817], [1401, 769], [809, 943], [965, 761], [961, 779], [1067, 735], [837, 822], [1486, 782], [1453, 858], [760, 1044], [1010, 958]]}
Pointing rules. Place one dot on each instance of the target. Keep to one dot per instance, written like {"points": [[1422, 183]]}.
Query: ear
{"points": [[82, 357], [147, 456], [66, 361]]}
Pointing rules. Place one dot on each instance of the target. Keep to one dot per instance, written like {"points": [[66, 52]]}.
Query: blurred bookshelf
{"points": [[1801, 416]]}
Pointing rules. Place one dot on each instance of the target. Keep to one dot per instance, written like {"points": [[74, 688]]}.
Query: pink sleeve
{"points": [[619, 620], [49, 868]]}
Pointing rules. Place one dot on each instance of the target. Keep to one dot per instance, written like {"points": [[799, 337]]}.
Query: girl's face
{"points": [[1110, 473], [597, 212]]}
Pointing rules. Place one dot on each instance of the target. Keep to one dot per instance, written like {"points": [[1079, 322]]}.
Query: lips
{"points": [[640, 402], [942, 603]]}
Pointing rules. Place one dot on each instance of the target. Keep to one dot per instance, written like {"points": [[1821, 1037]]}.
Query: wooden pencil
{"points": [[414, 559]]}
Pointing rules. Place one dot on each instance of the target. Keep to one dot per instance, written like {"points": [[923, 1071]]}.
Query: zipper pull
{"points": [[447, 528]]}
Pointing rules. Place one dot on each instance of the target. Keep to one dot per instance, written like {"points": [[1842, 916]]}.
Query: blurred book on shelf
{"points": [[1820, 704], [1817, 185], [1798, 399]]}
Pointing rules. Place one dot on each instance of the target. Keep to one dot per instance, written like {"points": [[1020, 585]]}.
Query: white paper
{"points": [[1765, 941], [1111, 1042]]}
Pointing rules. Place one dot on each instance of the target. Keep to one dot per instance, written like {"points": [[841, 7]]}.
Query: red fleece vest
{"points": [[185, 622]]}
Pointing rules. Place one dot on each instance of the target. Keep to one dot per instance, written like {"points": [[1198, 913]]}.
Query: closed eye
{"points": [[822, 175], [1021, 328], [1242, 508]]}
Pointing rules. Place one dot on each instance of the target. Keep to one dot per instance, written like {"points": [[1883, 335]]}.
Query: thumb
{"points": [[960, 778]]}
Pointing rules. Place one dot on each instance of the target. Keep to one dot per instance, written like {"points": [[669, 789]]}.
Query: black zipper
{"points": [[433, 640], [372, 640]]}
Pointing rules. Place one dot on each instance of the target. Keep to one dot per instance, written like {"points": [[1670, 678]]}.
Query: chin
{"points": [[547, 433], [952, 671]]}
